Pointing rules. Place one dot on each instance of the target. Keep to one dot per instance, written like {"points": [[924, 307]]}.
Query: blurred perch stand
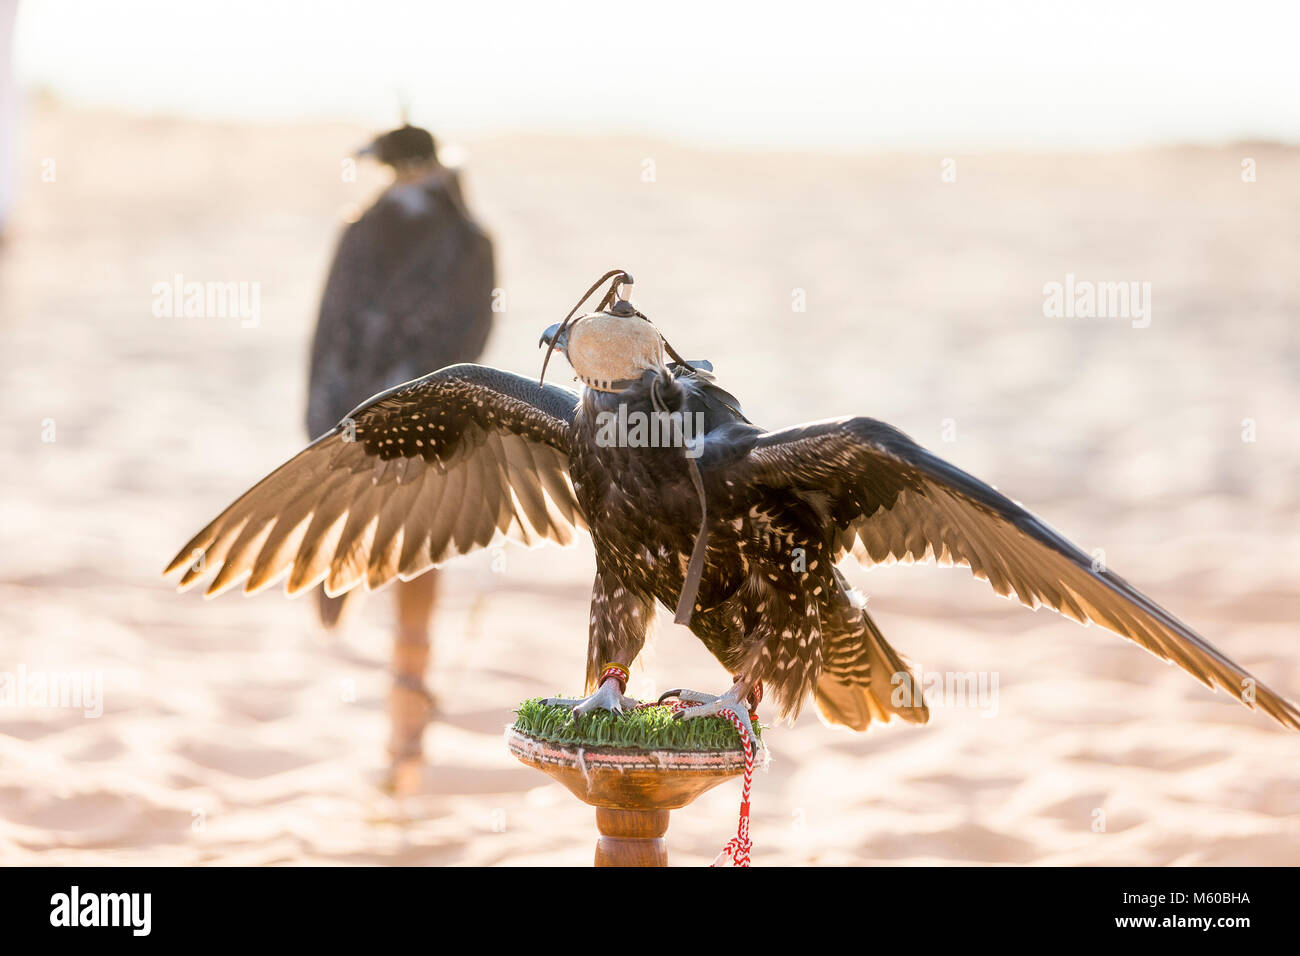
{"points": [[633, 768]]}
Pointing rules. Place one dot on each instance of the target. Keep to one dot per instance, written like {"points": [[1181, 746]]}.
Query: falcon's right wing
{"points": [[436, 467]]}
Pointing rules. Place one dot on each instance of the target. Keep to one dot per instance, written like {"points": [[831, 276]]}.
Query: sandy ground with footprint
{"points": [[235, 732]]}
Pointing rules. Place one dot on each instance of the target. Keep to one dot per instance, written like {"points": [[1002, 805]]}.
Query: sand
{"points": [[235, 732]]}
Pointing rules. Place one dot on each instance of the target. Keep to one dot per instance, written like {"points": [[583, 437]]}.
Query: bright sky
{"points": [[799, 75]]}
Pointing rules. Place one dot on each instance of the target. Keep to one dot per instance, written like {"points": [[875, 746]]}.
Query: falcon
{"points": [[410, 289], [738, 529]]}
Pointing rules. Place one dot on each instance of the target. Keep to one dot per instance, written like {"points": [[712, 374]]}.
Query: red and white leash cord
{"points": [[738, 847]]}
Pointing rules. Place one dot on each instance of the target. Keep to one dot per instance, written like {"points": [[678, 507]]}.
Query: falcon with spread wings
{"points": [[737, 528]]}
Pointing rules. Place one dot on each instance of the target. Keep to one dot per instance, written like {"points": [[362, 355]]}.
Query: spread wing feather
{"points": [[437, 467], [890, 500]]}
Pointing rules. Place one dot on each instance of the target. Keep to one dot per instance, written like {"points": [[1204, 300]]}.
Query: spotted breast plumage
{"points": [[740, 529]]}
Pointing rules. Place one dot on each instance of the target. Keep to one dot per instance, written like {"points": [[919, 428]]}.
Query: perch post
{"points": [[633, 776]]}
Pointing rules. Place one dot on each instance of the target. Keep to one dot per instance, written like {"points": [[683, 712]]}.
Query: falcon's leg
{"points": [[735, 700], [410, 704], [620, 621]]}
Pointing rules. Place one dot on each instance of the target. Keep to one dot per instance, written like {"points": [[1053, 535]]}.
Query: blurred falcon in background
{"points": [[738, 528], [410, 290]]}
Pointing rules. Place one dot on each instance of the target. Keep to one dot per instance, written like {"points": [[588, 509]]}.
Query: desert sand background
{"points": [[235, 732]]}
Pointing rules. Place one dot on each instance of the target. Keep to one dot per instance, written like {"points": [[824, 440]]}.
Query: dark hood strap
{"points": [[694, 570]]}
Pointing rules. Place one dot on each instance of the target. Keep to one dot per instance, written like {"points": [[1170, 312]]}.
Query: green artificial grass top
{"points": [[648, 728]]}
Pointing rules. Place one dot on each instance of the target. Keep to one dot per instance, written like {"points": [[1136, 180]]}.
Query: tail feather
{"points": [[864, 679]]}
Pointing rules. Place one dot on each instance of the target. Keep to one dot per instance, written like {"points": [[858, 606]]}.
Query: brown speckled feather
{"points": [[891, 500], [422, 472]]}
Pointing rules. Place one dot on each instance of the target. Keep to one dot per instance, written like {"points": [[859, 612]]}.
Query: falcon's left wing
{"points": [[891, 500]]}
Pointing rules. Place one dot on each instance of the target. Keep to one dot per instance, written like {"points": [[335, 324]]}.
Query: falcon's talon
{"points": [[712, 705], [607, 697], [689, 696]]}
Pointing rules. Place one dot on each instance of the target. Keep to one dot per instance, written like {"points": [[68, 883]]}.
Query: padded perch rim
{"points": [[641, 731]]}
